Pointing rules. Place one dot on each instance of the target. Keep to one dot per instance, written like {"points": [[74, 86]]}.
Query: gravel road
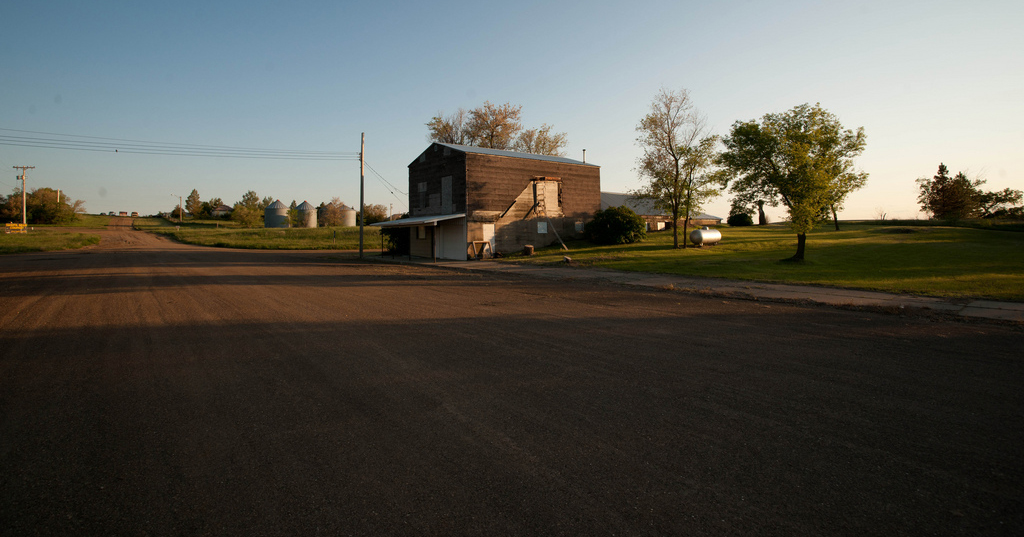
{"points": [[149, 387]]}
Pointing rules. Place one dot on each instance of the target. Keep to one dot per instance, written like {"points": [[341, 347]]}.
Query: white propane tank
{"points": [[700, 237]]}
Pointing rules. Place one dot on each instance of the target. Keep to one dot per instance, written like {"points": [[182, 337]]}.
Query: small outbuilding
{"points": [[220, 211], [276, 215], [657, 219]]}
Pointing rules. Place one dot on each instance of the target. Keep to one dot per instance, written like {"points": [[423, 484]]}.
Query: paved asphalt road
{"points": [[148, 387]]}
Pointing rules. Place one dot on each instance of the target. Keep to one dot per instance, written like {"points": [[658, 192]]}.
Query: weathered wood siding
{"points": [[485, 186], [430, 167], [494, 182]]}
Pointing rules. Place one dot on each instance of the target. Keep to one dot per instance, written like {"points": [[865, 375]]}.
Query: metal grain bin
{"points": [[708, 236], [348, 216], [276, 215], [307, 215]]}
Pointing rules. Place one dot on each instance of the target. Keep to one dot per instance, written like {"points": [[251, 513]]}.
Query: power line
{"points": [[391, 188], [85, 143]]}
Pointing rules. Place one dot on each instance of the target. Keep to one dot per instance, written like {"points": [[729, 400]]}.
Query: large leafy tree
{"points": [[193, 204], [949, 198], [1003, 202], [42, 206], [799, 158], [678, 156], [248, 211], [495, 127]]}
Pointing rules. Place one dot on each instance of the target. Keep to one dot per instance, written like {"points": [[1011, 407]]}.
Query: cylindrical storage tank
{"points": [[307, 215], [700, 237], [276, 215], [348, 216]]}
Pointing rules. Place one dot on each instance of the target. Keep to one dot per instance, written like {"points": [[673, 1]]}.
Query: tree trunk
{"points": [[675, 229], [761, 218], [685, 228], [801, 240], [835, 217]]}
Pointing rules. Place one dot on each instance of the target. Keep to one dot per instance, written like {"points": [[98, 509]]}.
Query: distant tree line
{"points": [[250, 210], [958, 197], [42, 206]]}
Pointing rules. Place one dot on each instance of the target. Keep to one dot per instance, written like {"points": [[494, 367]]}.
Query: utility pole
{"points": [[362, 209], [24, 216]]}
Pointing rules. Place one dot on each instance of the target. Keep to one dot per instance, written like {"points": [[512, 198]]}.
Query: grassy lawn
{"points": [[227, 234], [42, 239], [925, 260]]}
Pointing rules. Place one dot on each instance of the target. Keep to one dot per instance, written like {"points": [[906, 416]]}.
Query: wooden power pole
{"points": [[24, 216], [362, 209]]}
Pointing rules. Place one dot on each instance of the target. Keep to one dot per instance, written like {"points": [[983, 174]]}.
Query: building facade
{"points": [[466, 201]]}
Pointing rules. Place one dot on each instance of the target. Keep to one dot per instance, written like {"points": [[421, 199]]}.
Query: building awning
{"points": [[419, 220]]}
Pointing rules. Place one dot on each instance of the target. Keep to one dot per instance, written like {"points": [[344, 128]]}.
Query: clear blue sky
{"points": [[930, 82]]}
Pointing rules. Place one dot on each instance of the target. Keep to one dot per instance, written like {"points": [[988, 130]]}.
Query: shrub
{"points": [[616, 225], [740, 219]]}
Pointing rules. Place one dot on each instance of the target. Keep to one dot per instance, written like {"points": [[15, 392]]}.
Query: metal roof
{"points": [[641, 206], [306, 206], [513, 154], [420, 220], [277, 205]]}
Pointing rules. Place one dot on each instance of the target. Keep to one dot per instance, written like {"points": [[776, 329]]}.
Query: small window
{"points": [[579, 226], [542, 227], [421, 232]]}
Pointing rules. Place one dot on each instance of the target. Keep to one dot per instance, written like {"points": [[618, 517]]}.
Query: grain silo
{"points": [[307, 214], [348, 216], [276, 215]]}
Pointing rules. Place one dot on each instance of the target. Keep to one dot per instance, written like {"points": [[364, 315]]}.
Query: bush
{"points": [[740, 219], [616, 225]]}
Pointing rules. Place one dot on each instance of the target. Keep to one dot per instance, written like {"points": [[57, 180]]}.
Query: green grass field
{"points": [[925, 260], [41, 239], [228, 234]]}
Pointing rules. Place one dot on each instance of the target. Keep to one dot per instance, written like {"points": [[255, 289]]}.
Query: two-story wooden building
{"points": [[467, 200]]}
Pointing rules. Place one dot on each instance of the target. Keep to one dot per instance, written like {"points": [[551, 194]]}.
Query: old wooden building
{"points": [[465, 200]]}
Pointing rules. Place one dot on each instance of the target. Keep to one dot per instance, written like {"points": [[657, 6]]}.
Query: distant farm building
{"points": [[307, 214], [657, 219], [220, 211], [276, 215], [465, 201]]}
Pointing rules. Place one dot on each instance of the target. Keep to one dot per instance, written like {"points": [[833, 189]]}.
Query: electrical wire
{"points": [[144, 147], [391, 188]]}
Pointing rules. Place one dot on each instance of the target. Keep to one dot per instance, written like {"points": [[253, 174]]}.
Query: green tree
{"points": [[374, 214], [193, 204], [797, 158], [678, 157], [248, 211], [330, 214], [949, 198], [616, 225], [43, 205], [293, 214], [739, 214], [1001, 202]]}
